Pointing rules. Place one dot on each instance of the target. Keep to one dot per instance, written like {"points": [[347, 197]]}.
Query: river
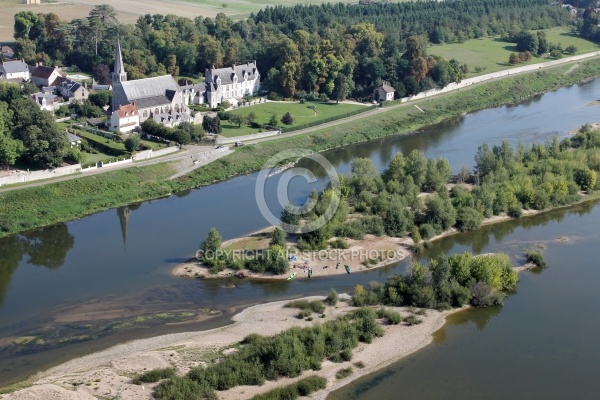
{"points": [[68, 284], [542, 344]]}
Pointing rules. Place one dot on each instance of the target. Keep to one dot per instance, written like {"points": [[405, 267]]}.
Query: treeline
{"points": [[446, 282], [505, 180], [287, 354], [336, 50]]}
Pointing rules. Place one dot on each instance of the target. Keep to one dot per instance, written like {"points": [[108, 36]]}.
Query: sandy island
{"points": [[108, 373], [362, 255]]}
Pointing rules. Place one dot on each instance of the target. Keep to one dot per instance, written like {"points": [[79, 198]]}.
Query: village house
{"points": [[72, 90], [74, 140], [384, 93], [126, 118], [14, 71], [159, 98], [231, 83], [47, 101], [45, 76], [98, 86]]}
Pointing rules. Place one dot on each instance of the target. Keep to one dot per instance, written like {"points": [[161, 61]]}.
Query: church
{"points": [[159, 98]]}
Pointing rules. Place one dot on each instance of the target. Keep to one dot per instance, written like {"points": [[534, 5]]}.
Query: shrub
{"points": [[412, 320], [287, 118], [332, 298], [154, 375], [427, 231], [344, 373], [273, 96], [535, 257], [181, 388], [339, 243], [303, 387], [346, 354], [392, 317], [515, 211], [468, 219]]}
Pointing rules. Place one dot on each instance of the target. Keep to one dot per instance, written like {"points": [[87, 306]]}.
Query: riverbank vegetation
{"points": [[411, 196], [445, 283], [288, 354], [63, 201]]}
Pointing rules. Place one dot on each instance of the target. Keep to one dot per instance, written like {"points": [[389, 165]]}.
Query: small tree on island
{"points": [[287, 118], [210, 246], [278, 238]]}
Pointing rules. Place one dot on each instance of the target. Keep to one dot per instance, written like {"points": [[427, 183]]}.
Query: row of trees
{"points": [[335, 50]]}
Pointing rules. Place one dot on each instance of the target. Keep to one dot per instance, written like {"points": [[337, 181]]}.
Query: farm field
{"points": [[301, 112], [490, 54], [129, 11]]}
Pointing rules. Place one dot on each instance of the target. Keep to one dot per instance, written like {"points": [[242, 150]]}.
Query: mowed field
{"points": [[491, 54], [130, 10], [301, 112]]}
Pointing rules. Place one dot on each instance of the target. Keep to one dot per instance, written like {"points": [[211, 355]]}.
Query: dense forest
{"points": [[337, 50]]}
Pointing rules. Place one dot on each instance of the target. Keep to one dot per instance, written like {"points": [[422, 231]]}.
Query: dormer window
{"points": [[235, 79]]}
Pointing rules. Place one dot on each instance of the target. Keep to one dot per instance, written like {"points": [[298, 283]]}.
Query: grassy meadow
{"points": [[491, 53], [302, 114]]}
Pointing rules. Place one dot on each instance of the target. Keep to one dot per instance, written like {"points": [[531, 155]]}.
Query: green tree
{"points": [[132, 143], [100, 98], [278, 238], [10, 150], [212, 243], [24, 21], [513, 59], [236, 119], [287, 118]]}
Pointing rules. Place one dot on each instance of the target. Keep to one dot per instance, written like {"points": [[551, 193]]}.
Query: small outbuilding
{"points": [[384, 93]]}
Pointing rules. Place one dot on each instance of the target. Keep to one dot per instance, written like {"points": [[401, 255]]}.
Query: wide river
{"points": [[70, 283]]}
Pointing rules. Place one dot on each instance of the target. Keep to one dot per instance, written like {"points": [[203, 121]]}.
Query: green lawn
{"points": [[97, 138], [490, 54], [301, 112]]}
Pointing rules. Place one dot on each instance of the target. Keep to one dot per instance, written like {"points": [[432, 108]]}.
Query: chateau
{"points": [[159, 98], [231, 83]]}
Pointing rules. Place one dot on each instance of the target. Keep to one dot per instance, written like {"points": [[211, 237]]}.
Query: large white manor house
{"points": [[231, 83], [163, 100]]}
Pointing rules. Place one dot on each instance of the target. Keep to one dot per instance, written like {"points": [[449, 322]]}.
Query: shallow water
{"points": [[117, 263]]}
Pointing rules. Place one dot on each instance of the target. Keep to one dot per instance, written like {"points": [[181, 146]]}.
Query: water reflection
{"points": [[46, 247]]}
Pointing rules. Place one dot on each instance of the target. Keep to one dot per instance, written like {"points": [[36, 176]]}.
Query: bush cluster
{"points": [[303, 387], [447, 282], [154, 375], [287, 354]]}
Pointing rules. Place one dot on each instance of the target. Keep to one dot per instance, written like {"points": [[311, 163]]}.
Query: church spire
{"points": [[119, 74]]}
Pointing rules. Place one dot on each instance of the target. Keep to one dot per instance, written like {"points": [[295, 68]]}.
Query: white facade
{"points": [[14, 70], [125, 119], [231, 83]]}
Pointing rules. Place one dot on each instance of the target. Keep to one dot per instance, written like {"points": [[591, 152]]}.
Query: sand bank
{"points": [[107, 374]]}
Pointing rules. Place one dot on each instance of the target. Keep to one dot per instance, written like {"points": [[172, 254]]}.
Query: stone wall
{"points": [[22, 177], [226, 140], [147, 154]]}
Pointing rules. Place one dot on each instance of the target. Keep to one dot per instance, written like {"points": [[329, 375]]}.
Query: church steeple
{"points": [[124, 213], [119, 74]]}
